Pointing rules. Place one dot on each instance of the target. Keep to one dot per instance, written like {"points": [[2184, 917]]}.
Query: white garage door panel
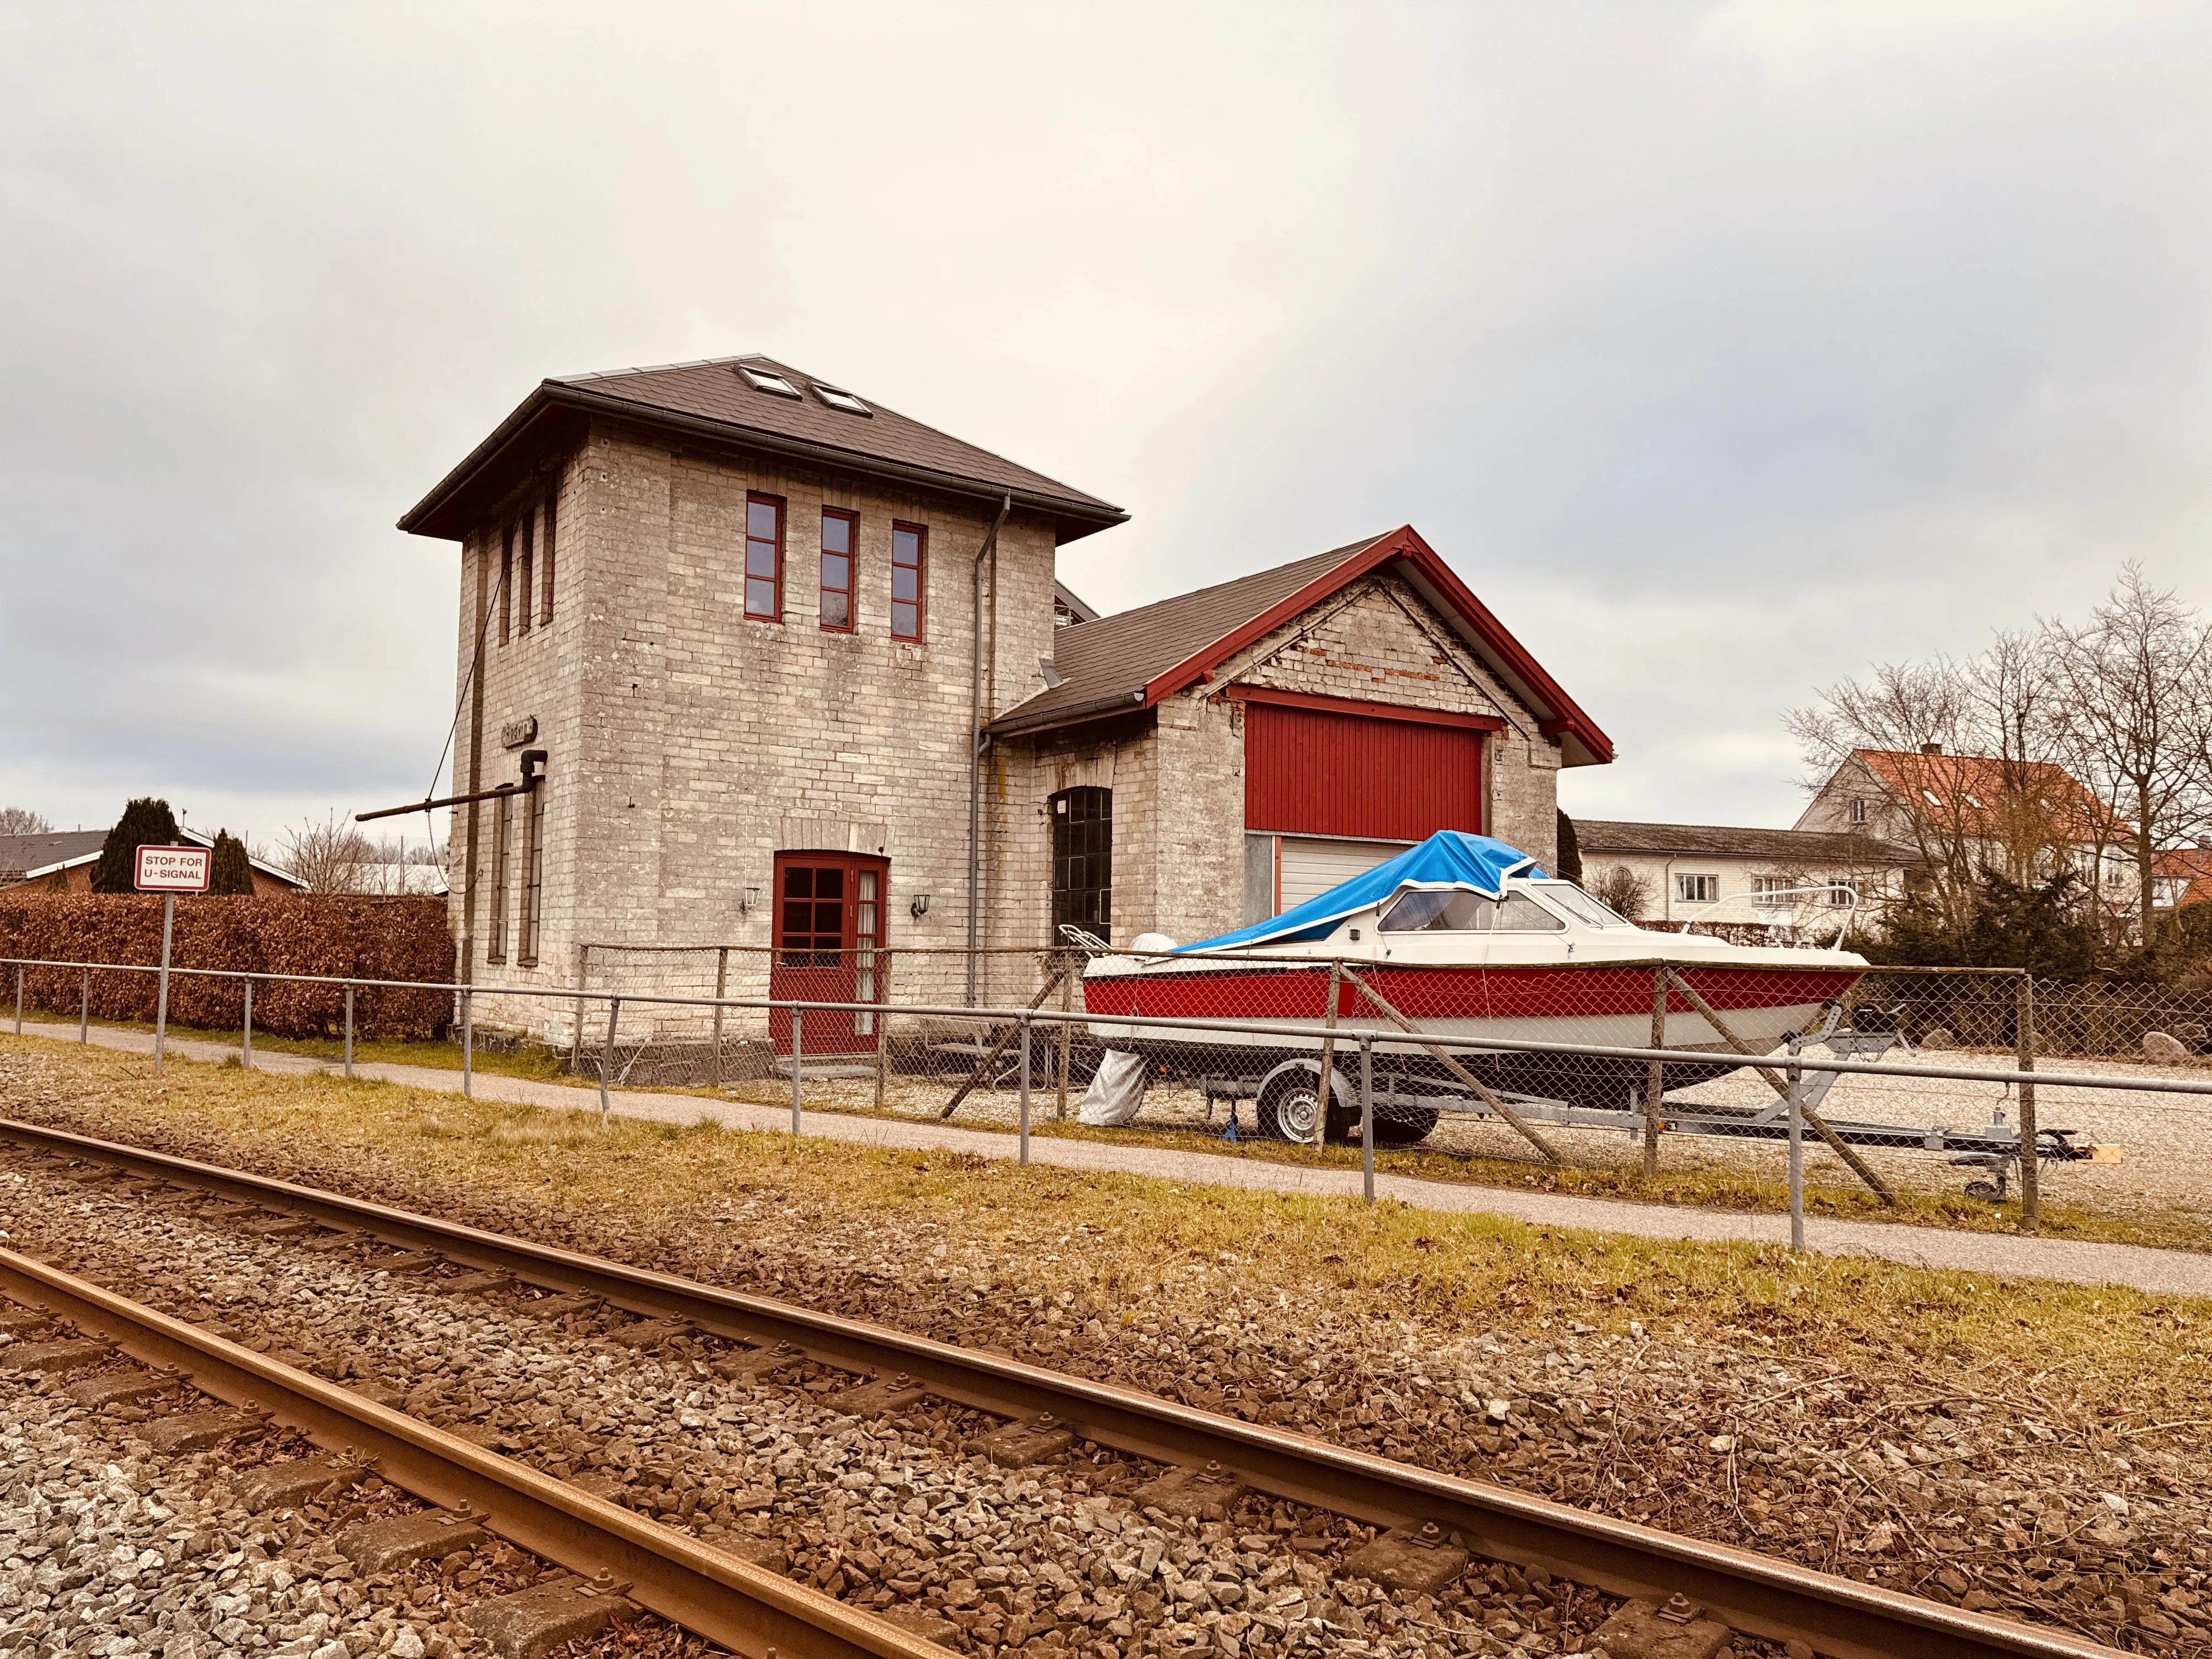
{"points": [[1311, 865]]}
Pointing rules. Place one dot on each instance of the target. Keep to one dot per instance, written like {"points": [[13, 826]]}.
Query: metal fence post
{"points": [[1066, 1036], [883, 1022], [469, 1043], [1026, 1088], [18, 1000], [2031, 1170], [349, 1032], [1366, 1115], [721, 990], [607, 1053], [1796, 1150], [162, 1002], [246, 1027], [84, 1008], [1655, 1082], [576, 1037], [798, 1061], [1327, 1085]]}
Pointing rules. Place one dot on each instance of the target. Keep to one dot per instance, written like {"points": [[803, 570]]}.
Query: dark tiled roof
{"points": [[22, 853], [1107, 663], [1602, 836], [713, 397]]}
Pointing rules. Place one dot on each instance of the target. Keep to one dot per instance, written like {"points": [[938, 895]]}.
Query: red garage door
{"points": [[1321, 772]]}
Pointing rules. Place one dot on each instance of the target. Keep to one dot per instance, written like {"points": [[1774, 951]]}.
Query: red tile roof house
{"points": [[755, 623], [63, 860]]}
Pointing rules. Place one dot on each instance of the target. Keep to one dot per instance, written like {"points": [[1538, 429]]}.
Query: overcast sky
{"points": [[1721, 348]]}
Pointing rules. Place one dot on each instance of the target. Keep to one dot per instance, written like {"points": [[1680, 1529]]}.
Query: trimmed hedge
{"points": [[402, 938]]}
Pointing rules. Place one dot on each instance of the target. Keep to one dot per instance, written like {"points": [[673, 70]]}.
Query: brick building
{"points": [[751, 624]]}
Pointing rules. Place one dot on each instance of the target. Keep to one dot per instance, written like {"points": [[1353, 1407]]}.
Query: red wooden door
{"points": [[1316, 772], [828, 928]]}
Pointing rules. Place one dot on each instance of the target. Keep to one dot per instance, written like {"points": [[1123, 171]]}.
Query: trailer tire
{"points": [[1403, 1126], [1285, 1109]]}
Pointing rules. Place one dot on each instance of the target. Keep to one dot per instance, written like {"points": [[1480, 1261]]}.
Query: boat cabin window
{"points": [[1582, 907], [1463, 912]]}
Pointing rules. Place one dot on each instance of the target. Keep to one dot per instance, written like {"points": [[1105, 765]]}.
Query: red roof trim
{"points": [[1404, 542], [1375, 711]]}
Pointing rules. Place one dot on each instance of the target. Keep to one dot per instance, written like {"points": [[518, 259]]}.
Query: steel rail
{"points": [[745, 1608], [1756, 1594]]}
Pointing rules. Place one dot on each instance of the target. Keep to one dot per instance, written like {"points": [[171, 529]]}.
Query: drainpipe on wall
{"points": [[977, 741]]}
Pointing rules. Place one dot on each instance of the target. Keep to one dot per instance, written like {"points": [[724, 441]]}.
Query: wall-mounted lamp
{"points": [[746, 900], [917, 906]]}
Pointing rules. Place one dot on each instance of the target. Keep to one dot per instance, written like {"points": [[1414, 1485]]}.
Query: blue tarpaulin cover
{"points": [[1448, 859]]}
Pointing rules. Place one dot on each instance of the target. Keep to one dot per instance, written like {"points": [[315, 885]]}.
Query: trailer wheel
{"points": [[1402, 1125], [1286, 1109]]}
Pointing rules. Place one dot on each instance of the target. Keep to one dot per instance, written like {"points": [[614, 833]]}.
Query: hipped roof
{"points": [[1129, 661], [1970, 790], [1611, 836], [711, 400]]}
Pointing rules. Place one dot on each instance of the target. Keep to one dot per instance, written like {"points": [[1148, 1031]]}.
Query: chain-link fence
{"points": [[1904, 1080]]}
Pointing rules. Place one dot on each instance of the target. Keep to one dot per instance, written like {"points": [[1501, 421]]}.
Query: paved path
{"points": [[2162, 1273]]}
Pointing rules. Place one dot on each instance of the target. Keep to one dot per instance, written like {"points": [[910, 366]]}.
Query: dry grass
{"points": [[1132, 1244]]}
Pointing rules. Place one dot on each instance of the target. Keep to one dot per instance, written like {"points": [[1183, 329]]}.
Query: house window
{"points": [[838, 536], [1083, 860], [766, 380], [496, 947], [506, 583], [1842, 893], [1768, 887], [837, 397], [525, 587], [909, 554], [1697, 890], [1858, 809], [545, 577], [764, 558], [533, 872]]}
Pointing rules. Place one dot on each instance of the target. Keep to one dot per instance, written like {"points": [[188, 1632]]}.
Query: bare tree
{"points": [[2137, 722], [331, 857], [1623, 891], [22, 821]]}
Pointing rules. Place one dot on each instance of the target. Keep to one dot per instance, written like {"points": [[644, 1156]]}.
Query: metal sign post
{"points": [[169, 871]]}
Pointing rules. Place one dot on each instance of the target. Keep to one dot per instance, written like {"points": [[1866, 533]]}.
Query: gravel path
{"points": [[2160, 1271]]}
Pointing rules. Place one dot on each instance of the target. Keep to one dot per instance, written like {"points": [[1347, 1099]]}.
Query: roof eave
{"points": [[1071, 519], [1120, 702]]}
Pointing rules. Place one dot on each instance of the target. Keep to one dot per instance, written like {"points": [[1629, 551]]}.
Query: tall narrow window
{"points": [[838, 539], [546, 575], [505, 582], [909, 554], [866, 935], [534, 872], [525, 585], [764, 558], [1083, 860], [496, 947]]}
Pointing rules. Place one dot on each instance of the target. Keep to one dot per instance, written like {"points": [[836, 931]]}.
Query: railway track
{"points": [[1432, 1523]]}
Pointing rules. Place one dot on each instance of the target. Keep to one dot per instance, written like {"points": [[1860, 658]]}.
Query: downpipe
{"points": [[977, 742]]}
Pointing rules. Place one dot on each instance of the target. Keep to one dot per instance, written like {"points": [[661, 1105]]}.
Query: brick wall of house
{"points": [[688, 743]]}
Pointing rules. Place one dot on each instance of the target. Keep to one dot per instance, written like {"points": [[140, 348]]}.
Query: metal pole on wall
{"points": [[721, 990], [1026, 1088], [798, 1061], [607, 1053], [348, 1034], [161, 999], [246, 1027], [2031, 1172], [1655, 1082], [84, 1008], [1796, 1075], [469, 1043], [1366, 1115]]}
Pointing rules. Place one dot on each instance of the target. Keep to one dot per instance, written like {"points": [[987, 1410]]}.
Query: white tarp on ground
{"points": [[1117, 1090]]}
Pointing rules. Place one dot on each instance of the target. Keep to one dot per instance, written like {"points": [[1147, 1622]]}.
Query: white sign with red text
{"points": [[174, 869]]}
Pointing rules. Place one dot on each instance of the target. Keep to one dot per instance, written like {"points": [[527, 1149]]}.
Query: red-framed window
{"points": [[909, 578], [841, 543], [764, 558]]}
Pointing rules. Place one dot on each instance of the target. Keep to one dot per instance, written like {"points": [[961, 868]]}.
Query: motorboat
{"points": [[1465, 937]]}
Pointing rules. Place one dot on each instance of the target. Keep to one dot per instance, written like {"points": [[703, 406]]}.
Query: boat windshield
{"points": [[1582, 907], [1458, 911]]}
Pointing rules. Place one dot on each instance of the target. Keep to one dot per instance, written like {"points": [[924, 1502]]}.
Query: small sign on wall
{"points": [[515, 733], [174, 869]]}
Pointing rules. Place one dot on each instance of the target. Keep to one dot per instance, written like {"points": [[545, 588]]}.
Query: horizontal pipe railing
{"points": [[1386, 1037]]}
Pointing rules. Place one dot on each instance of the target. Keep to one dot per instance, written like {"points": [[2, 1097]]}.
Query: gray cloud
{"points": [[1721, 348]]}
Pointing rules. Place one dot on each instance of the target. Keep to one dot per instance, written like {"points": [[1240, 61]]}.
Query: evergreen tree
{"points": [[229, 871], [2044, 926], [1571, 852], [145, 822]]}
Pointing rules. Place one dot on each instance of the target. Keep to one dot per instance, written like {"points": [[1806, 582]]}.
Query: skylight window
{"points": [[1934, 799], [767, 380], [844, 400]]}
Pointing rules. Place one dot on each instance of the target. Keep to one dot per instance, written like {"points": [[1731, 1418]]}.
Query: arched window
{"points": [[1083, 860]]}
